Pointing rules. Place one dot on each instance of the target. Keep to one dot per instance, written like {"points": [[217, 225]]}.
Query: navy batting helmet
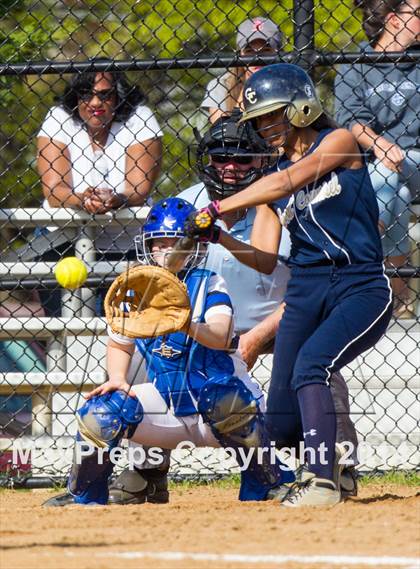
{"points": [[282, 85]]}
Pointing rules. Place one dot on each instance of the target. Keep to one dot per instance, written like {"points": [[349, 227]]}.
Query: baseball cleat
{"points": [[313, 492], [140, 486], [279, 493], [344, 477], [348, 482], [61, 500]]}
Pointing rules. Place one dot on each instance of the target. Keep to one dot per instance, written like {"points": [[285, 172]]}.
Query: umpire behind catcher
{"points": [[230, 157]]}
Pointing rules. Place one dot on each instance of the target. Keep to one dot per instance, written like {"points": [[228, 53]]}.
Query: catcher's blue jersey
{"points": [[333, 219], [179, 366]]}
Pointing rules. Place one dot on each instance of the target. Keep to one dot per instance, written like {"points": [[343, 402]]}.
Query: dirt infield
{"points": [[206, 527]]}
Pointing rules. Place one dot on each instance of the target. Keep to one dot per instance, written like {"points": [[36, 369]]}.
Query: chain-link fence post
{"points": [[304, 32]]}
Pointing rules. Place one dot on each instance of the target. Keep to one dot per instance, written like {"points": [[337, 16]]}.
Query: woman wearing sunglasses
{"points": [[380, 104], [100, 147]]}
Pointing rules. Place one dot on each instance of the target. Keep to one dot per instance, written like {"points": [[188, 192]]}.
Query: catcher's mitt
{"points": [[147, 301]]}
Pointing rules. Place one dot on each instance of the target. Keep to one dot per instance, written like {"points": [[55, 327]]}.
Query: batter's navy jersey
{"points": [[333, 219], [333, 313]]}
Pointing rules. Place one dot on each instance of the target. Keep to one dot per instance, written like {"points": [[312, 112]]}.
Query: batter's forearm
{"points": [[266, 190], [261, 261]]}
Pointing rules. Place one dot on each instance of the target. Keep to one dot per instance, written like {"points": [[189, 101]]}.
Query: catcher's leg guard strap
{"points": [[233, 414], [103, 422]]}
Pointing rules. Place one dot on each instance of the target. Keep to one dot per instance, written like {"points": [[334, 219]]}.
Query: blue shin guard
{"points": [[88, 480], [103, 422], [232, 412]]}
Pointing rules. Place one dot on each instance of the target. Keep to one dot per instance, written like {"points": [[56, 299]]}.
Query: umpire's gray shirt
{"points": [[254, 295]]}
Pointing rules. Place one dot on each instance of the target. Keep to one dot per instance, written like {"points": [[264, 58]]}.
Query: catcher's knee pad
{"points": [[233, 413], [231, 410], [104, 420]]}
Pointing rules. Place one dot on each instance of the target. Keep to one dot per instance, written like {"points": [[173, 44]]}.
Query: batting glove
{"points": [[201, 223]]}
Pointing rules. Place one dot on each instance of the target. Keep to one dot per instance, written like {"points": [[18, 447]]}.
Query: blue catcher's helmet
{"points": [[167, 219]]}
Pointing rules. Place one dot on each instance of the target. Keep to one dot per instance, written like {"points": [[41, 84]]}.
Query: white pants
{"points": [[161, 428]]}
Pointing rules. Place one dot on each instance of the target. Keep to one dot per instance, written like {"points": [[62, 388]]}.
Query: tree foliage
{"points": [[124, 29]]}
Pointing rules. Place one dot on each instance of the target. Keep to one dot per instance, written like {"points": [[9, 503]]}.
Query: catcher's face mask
{"points": [[155, 248], [163, 227], [230, 157]]}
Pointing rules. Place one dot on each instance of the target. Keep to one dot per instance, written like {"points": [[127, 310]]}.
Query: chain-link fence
{"points": [[105, 95]]}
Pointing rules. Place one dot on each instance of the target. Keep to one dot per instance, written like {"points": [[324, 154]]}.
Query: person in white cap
{"points": [[257, 36]]}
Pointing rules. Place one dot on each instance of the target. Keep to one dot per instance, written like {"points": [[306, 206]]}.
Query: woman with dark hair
{"points": [[128, 96], [100, 149], [380, 104]]}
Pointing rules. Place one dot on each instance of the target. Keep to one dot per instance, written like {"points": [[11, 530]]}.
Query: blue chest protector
{"points": [[176, 364]]}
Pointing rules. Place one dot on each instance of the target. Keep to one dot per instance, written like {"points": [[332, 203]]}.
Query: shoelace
{"points": [[299, 472], [296, 490]]}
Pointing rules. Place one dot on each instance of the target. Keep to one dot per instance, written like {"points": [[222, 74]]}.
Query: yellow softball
{"points": [[70, 272]]}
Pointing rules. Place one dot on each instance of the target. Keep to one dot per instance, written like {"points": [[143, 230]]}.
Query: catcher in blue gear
{"points": [[198, 390]]}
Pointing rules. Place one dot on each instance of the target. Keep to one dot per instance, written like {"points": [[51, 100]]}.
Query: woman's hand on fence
{"points": [[102, 200], [111, 385], [115, 201]]}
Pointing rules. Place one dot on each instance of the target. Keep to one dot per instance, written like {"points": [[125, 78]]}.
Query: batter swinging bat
{"points": [[182, 249]]}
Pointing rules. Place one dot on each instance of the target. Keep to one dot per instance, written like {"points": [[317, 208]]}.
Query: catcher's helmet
{"points": [[281, 85], [226, 138], [167, 219]]}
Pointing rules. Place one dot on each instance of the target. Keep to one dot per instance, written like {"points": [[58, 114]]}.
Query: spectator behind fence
{"points": [[99, 149], [381, 105], [257, 36]]}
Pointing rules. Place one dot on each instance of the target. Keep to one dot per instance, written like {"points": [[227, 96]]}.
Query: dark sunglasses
{"points": [[103, 96], [238, 158]]}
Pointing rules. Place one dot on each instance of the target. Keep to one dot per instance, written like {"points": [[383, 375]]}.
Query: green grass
{"points": [[403, 478], [226, 482]]}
